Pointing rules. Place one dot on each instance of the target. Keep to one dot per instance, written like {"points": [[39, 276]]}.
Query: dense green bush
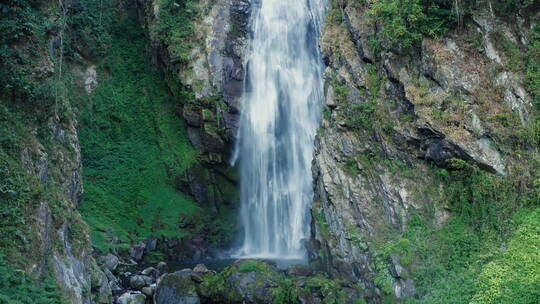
{"points": [[404, 23], [90, 24], [12, 193], [18, 288], [514, 276]]}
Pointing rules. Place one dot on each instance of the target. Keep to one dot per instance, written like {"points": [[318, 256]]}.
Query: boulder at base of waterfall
{"points": [[176, 288]]}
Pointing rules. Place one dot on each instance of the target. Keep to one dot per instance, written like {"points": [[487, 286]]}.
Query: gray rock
{"points": [[148, 280], [105, 292], [110, 261], [148, 291], [396, 270], [162, 267], [403, 288], [137, 251], [201, 268], [137, 282], [129, 298], [176, 288], [151, 244], [151, 272], [299, 270], [197, 277]]}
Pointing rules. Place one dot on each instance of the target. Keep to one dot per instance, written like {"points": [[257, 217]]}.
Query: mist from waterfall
{"points": [[280, 115]]}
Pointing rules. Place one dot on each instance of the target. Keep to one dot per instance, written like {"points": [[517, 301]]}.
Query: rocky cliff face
{"points": [[42, 230], [42, 149], [392, 117], [209, 80], [214, 72]]}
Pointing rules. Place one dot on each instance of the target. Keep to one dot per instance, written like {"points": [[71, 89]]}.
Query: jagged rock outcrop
{"points": [[388, 118]]}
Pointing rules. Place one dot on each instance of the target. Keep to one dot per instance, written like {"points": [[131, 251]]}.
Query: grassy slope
{"points": [[134, 146]]}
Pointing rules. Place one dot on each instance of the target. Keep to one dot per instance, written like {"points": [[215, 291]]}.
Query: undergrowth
{"points": [[134, 147], [16, 287], [448, 263]]}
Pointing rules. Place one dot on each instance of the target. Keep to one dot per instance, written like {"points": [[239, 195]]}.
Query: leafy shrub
{"points": [[445, 262]]}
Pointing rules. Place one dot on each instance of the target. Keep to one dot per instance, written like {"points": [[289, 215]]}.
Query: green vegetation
{"points": [[134, 148], [404, 23], [175, 28], [320, 219], [19, 21], [283, 290], [288, 290], [533, 66], [90, 23], [364, 114], [15, 195], [253, 265], [18, 288], [514, 276], [451, 263], [532, 72]]}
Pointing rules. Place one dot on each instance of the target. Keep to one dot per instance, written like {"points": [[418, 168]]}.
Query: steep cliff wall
{"points": [[80, 88], [40, 155], [201, 47], [425, 142]]}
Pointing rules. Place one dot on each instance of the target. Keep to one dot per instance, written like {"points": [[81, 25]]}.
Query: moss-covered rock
{"points": [[177, 288]]}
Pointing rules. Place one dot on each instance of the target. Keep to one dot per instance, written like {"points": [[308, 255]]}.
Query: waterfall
{"points": [[280, 116]]}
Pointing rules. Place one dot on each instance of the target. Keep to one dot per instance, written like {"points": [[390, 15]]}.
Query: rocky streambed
{"points": [[244, 281]]}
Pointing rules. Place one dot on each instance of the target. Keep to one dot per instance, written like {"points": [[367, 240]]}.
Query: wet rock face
{"points": [[213, 78], [215, 72], [438, 105]]}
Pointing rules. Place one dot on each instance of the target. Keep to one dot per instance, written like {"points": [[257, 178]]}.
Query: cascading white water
{"points": [[281, 110]]}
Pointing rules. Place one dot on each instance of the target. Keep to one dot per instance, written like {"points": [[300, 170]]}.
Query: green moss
{"points": [[253, 265], [215, 286]]}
